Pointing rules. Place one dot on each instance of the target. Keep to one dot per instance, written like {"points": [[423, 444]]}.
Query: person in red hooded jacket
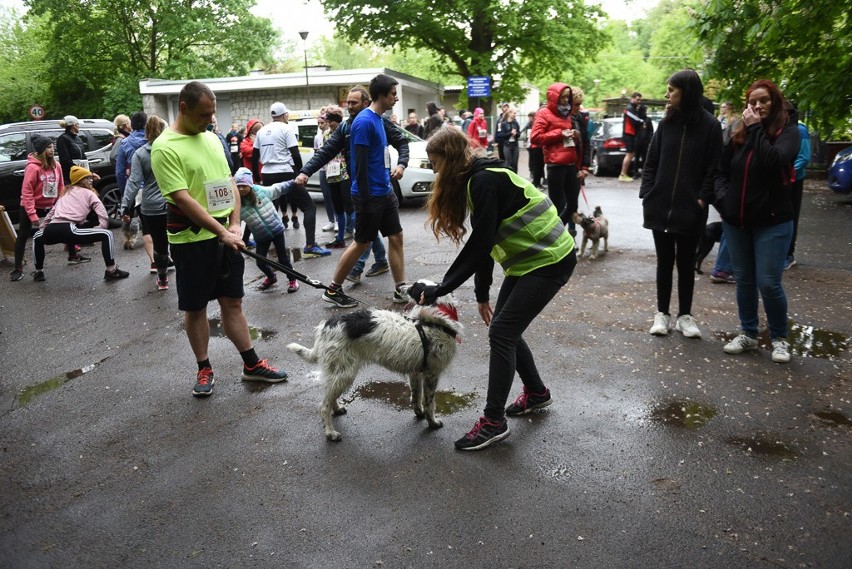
{"points": [[559, 139], [477, 130], [247, 146]]}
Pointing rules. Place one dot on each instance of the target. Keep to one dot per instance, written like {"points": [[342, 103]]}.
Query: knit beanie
{"points": [[78, 173], [243, 177], [40, 143]]}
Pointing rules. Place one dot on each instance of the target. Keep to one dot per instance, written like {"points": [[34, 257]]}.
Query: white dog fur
{"points": [[344, 344]]}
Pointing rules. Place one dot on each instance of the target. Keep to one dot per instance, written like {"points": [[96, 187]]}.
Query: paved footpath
{"points": [[657, 452]]}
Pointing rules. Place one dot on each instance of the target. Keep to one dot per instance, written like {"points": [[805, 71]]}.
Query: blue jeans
{"points": [[378, 252], [723, 257], [758, 257]]}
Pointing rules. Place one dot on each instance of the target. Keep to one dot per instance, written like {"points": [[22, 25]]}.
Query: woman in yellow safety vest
{"points": [[515, 224]]}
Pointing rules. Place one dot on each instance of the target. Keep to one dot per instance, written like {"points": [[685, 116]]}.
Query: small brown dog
{"points": [[595, 228]]}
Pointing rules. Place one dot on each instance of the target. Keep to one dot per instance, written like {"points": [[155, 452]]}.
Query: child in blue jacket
{"points": [[258, 212]]}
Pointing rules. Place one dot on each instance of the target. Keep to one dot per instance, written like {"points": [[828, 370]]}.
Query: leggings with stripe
{"points": [[69, 233]]}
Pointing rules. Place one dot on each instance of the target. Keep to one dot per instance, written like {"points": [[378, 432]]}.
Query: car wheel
{"points": [[596, 168], [111, 198]]}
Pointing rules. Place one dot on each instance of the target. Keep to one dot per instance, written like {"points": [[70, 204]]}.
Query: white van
{"points": [[418, 178]]}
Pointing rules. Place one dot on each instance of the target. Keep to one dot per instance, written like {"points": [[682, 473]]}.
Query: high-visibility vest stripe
{"points": [[531, 238]]}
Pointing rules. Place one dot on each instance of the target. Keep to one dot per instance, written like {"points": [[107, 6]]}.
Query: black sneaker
{"points": [[77, 259], [483, 433], [528, 402], [400, 294], [38, 276], [16, 275], [262, 371], [338, 298], [295, 222], [204, 383], [115, 274], [377, 269]]}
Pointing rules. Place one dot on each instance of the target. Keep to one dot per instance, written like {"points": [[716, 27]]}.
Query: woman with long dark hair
{"points": [[677, 186], [515, 224], [754, 198]]}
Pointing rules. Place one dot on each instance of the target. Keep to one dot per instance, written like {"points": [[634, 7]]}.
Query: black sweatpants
{"points": [[69, 233]]}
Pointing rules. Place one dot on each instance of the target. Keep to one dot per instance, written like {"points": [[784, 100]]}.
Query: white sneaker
{"points": [[686, 325], [661, 324], [329, 226], [740, 344], [780, 351]]}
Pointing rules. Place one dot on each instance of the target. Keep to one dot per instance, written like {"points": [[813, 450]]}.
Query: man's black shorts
{"points": [[378, 213], [205, 271], [629, 142]]}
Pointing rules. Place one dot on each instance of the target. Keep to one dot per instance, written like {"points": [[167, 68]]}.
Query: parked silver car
{"points": [[418, 178]]}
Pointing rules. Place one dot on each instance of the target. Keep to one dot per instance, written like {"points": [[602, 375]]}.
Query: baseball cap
{"points": [[278, 109]]}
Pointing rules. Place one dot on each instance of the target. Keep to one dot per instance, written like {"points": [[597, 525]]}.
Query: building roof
{"points": [[317, 76]]}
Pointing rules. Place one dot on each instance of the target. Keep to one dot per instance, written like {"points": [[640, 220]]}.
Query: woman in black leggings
{"points": [[515, 224], [677, 186]]}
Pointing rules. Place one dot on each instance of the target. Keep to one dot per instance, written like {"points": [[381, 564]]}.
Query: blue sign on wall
{"points": [[479, 86]]}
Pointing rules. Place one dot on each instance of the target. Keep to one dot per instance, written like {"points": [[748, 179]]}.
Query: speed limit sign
{"points": [[37, 112]]}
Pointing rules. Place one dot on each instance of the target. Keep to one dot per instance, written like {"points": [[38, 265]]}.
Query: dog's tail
{"points": [[307, 354]]}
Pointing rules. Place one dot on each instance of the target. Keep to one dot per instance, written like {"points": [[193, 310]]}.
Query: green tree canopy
{"points": [[100, 49], [804, 46], [510, 39]]}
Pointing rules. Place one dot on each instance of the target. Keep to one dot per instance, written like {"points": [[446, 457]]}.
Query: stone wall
{"points": [[247, 105]]}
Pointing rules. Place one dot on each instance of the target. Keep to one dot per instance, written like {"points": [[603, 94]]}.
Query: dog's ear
{"points": [[415, 291]]}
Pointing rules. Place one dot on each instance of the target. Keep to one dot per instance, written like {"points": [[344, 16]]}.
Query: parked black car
{"points": [[16, 145], [608, 148]]}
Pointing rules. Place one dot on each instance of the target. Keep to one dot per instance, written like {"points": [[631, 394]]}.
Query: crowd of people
{"points": [[194, 189]]}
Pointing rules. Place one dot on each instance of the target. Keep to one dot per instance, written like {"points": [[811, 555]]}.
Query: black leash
{"points": [[291, 272]]}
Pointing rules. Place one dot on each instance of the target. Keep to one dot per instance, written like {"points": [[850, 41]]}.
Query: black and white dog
{"points": [[420, 343], [712, 234], [595, 228]]}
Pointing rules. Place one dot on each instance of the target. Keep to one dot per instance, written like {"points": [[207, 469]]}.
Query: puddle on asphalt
{"points": [[398, 394], [834, 418], [686, 414], [805, 341], [216, 331], [763, 445], [31, 392]]}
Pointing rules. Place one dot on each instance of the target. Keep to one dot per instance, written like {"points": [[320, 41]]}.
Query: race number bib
{"points": [[50, 190], [220, 195], [482, 133], [567, 141], [387, 157], [332, 168], [81, 163], [234, 148]]}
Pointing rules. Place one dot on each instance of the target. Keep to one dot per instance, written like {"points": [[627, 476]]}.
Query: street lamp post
{"points": [[304, 36]]}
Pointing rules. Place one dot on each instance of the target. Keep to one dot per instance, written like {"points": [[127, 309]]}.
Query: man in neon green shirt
{"points": [[204, 234]]}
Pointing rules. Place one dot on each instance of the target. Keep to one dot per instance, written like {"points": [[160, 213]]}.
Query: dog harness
{"points": [[419, 324]]}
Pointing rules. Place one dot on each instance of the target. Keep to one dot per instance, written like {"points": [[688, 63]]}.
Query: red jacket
{"points": [[32, 190], [477, 132], [547, 132]]}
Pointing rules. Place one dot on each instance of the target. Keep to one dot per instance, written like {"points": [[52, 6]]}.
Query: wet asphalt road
{"points": [[657, 452]]}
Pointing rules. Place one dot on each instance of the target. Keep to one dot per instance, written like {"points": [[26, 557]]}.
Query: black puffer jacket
{"points": [[754, 182], [679, 170]]}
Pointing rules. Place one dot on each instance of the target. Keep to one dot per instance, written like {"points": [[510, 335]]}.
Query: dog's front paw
{"points": [[419, 412], [339, 411], [435, 424], [334, 436]]}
